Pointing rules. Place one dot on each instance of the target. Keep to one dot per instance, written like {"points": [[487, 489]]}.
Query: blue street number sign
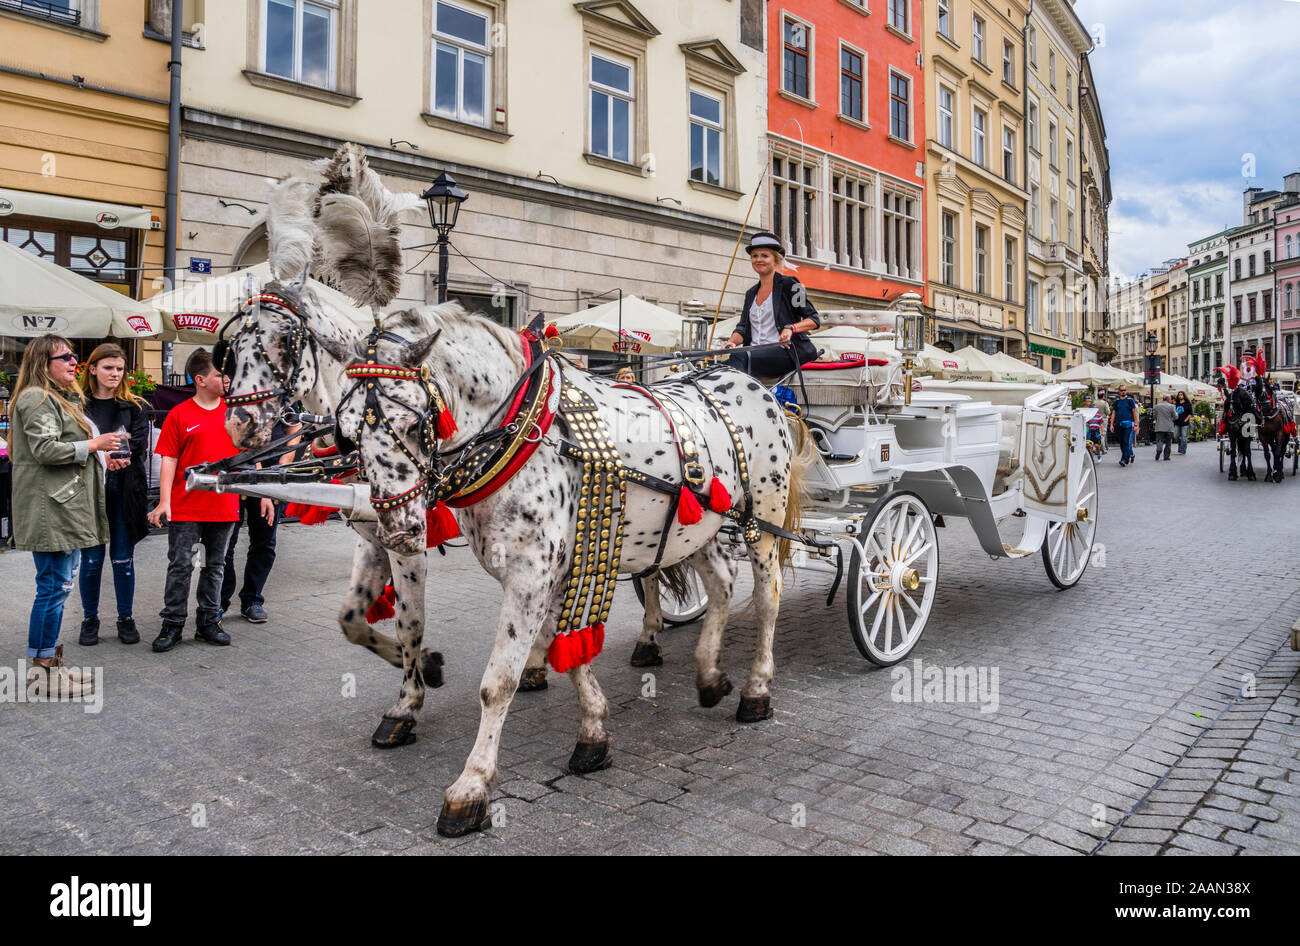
{"points": [[200, 265]]}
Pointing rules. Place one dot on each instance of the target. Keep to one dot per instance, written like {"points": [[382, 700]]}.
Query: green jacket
{"points": [[58, 488]]}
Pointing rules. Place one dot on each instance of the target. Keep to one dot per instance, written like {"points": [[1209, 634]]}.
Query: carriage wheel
{"points": [[1068, 545], [892, 577], [678, 612], [1295, 456]]}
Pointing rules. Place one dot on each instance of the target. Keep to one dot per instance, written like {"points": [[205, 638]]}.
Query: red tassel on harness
{"points": [[296, 510], [551, 331], [446, 425], [597, 638], [689, 510], [382, 609], [1223, 428], [315, 515], [440, 525], [719, 498], [559, 654]]}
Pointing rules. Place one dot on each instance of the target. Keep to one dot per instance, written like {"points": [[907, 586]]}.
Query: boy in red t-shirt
{"points": [[200, 523]]}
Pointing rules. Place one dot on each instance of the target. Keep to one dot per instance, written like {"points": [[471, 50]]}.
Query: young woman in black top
{"points": [[111, 406], [776, 309]]}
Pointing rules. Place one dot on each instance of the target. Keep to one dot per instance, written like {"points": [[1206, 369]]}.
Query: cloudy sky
{"points": [[1187, 88]]}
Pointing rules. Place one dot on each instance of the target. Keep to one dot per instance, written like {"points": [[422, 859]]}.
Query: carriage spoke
{"points": [[908, 598], [907, 543], [888, 608], [902, 622], [921, 551], [880, 613]]}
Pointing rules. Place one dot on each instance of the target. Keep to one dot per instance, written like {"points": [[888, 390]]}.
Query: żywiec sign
{"points": [[201, 323]]}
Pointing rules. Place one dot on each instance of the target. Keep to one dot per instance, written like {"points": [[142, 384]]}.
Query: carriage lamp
{"points": [[443, 199], [909, 335], [1152, 343]]}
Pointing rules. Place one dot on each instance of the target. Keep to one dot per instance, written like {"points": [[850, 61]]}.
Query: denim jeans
{"points": [[1182, 438], [261, 556], [189, 544], [1127, 430], [55, 573], [120, 552]]}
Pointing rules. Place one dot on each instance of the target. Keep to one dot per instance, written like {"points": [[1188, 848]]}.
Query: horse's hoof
{"points": [[754, 709], [589, 757], [533, 679], [456, 820], [647, 655], [431, 669], [713, 694], [393, 733]]}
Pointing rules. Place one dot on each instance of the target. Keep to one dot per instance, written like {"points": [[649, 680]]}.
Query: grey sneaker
{"points": [[254, 614]]}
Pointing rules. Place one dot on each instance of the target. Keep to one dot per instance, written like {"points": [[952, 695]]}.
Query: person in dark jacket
{"points": [[112, 407], [1184, 408], [776, 310]]}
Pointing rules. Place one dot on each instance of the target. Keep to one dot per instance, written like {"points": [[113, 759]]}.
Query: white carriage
{"points": [[1012, 459]]}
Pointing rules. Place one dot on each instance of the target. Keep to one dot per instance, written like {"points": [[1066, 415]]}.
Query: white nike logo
{"points": [[189, 429]]}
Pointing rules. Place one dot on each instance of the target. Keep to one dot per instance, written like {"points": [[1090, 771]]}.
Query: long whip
{"points": [[736, 251]]}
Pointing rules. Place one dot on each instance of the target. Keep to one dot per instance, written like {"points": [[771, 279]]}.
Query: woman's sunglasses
{"points": [[66, 356]]}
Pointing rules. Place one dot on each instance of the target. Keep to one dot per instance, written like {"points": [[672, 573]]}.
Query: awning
{"points": [[52, 207]]}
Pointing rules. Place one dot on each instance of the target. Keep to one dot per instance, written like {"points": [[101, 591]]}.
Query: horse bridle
{"points": [[299, 340], [364, 375]]}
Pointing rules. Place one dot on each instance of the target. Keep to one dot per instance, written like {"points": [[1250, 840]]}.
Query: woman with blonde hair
{"points": [[111, 405], [58, 494]]}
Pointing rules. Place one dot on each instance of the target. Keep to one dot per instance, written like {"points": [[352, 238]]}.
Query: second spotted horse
{"points": [[561, 481]]}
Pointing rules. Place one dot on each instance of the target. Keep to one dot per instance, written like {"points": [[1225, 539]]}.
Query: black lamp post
{"points": [[444, 199], [1153, 342]]}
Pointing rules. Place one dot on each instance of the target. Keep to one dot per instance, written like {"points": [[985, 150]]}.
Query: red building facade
{"points": [[846, 134]]}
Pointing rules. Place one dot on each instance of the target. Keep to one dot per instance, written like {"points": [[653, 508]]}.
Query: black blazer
{"points": [[134, 478], [786, 313]]}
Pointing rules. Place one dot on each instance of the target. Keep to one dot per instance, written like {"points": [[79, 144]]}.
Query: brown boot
{"points": [[55, 681], [77, 675]]}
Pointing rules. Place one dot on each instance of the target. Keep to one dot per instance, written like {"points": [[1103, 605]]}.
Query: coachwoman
{"points": [[776, 310]]}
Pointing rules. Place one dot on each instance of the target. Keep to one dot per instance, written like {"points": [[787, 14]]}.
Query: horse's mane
{"points": [[452, 318]]}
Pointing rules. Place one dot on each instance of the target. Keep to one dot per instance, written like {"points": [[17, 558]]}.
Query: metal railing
{"points": [[58, 12]]}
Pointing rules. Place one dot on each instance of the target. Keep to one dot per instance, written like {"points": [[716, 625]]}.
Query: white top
{"points": [[762, 322]]}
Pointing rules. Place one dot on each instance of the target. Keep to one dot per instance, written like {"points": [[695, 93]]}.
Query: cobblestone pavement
{"points": [[1119, 720]]}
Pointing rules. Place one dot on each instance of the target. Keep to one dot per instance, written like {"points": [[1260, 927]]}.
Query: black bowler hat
{"points": [[766, 241]]}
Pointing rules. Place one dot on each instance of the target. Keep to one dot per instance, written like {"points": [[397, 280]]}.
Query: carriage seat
{"points": [[851, 381], [1008, 447]]}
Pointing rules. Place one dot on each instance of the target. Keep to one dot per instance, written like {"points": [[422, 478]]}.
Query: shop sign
{"points": [[196, 321]]}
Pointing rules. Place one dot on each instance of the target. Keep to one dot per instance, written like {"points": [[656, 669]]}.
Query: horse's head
{"points": [[390, 412]]}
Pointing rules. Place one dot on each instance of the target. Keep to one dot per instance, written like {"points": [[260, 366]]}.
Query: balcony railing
{"points": [[65, 12]]}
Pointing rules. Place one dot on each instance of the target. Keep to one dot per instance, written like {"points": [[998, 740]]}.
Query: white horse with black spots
{"points": [[473, 364]]}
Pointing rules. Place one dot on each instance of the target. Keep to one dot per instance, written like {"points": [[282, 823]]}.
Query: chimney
{"points": [[1248, 197], [1291, 183]]}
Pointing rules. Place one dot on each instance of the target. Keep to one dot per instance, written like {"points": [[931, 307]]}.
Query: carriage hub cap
{"points": [[1083, 515], [909, 579]]}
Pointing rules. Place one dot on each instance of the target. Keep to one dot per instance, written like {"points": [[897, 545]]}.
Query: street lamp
{"points": [[909, 335], [1153, 342], [443, 199]]}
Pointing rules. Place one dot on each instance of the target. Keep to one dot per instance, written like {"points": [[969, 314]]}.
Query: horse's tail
{"points": [[800, 461], [676, 578]]}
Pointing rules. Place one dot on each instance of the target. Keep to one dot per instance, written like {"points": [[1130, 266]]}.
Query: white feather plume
{"points": [[290, 227]]}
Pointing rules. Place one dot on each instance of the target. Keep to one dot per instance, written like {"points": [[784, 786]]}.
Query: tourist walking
{"points": [[112, 407], [58, 490], [1103, 408], [1123, 423], [200, 522], [1184, 422], [1165, 425]]}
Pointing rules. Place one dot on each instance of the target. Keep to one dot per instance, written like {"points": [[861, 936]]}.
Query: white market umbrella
{"points": [[840, 340], [195, 311], [1013, 369], [1090, 372], [39, 297], [643, 328]]}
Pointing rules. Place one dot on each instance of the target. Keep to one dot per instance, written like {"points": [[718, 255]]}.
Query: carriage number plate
{"points": [[884, 453]]}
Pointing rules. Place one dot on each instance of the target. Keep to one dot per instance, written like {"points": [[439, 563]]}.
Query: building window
{"points": [[1252, 263], [945, 19], [611, 108], [1034, 207], [1053, 221], [1009, 155], [1288, 247], [1218, 286], [1236, 311], [948, 249], [1051, 143], [1236, 269], [1031, 305], [1009, 269], [707, 139], [795, 183], [1034, 140], [979, 138], [900, 96], [1196, 291], [1008, 63], [1069, 159], [1051, 67], [852, 222], [898, 15], [851, 83], [1069, 90], [462, 70], [1268, 305], [1268, 258], [301, 39], [981, 260], [1288, 296], [1033, 47], [977, 38], [1051, 310], [794, 75], [946, 136], [1252, 306], [1069, 227], [902, 227]]}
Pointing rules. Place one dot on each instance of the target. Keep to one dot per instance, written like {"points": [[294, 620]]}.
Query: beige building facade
{"points": [[1056, 42], [975, 163], [1095, 197], [604, 145], [1179, 361]]}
